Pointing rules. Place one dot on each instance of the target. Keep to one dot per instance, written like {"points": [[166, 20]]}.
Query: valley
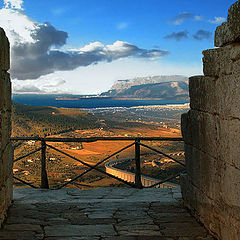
{"points": [[150, 121]]}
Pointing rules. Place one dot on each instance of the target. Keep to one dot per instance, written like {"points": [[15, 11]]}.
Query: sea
{"points": [[89, 102]]}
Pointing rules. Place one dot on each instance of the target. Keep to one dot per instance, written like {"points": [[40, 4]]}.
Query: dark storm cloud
{"points": [[202, 35], [181, 17], [32, 60], [178, 36]]}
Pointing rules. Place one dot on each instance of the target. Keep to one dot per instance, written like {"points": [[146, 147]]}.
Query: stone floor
{"points": [[103, 213]]}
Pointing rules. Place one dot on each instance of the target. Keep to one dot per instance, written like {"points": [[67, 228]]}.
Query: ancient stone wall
{"points": [[5, 128], [211, 131]]}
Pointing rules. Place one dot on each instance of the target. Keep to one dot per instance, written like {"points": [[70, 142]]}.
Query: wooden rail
{"points": [[137, 143]]}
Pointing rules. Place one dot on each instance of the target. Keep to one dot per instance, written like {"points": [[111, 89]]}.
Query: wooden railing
{"points": [[137, 142]]}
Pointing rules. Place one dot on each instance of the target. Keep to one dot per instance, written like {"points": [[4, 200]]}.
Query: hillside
{"points": [[151, 88], [39, 121]]}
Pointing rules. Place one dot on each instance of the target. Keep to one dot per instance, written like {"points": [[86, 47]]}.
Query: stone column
{"points": [[211, 132], [5, 128]]}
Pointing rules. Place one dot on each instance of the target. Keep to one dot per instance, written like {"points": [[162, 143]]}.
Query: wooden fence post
{"points": [[138, 180], [44, 177]]}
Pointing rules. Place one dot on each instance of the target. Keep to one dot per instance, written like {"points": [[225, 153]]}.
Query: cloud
{"points": [[180, 18], [218, 20], [202, 35], [198, 18], [56, 83], [59, 11], [122, 25], [34, 60], [14, 4], [26, 89], [178, 36], [45, 84], [36, 48]]}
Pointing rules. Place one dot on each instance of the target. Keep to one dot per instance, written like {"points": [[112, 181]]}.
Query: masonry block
{"points": [[228, 96], [221, 61], [228, 147], [202, 92], [200, 131]]}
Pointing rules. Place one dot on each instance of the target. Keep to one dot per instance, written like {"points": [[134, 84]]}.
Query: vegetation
{"points": [[62, 122], [44, 121]]}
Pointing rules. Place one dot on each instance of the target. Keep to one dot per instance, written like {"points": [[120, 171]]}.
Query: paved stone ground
{"points": [[99, 214]]}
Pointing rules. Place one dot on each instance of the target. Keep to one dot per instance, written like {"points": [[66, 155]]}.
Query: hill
{"points": [[159, 87], [30, 120]]}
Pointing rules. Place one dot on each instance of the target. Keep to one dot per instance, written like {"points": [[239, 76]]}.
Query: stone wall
{"points": [[5, 128], [211, 132]]}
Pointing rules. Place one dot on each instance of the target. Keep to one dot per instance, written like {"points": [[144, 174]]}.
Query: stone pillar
{"points": [[211, 132], [5, 128]]}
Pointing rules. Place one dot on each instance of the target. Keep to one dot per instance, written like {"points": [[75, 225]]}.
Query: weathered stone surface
{"points": [[229, 32], [220, 61], [202, 92], [5, 128], [228, 96], [79, 231], [199, 130], [4, 51], [228, 147], [131, 219], [211, 131]]}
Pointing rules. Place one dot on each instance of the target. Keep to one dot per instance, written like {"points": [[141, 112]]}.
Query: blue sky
{"points": [[128, 38]]}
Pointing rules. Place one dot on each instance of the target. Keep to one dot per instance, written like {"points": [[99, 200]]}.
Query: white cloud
{"points": [[59, 11], [122, 25], [198, 18], [100, 77], [217, 20], [45, 84], [36, 47], [17, 26], [14, 4], [180, 18]]}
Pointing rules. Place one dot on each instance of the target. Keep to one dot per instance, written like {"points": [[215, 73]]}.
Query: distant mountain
{"points": [[161, 87]]}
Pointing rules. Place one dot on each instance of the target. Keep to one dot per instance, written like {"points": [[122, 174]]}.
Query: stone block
{"points": [[2, 203], [225, 34], [204, 171], [230, 187], [228, 147], [7, 162], [200, 131], [5, 91], [229, 31], [202, 92], [4, 51], [5, 128], [185, 127], [228, 96], [221, 61], [192, 159]]}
